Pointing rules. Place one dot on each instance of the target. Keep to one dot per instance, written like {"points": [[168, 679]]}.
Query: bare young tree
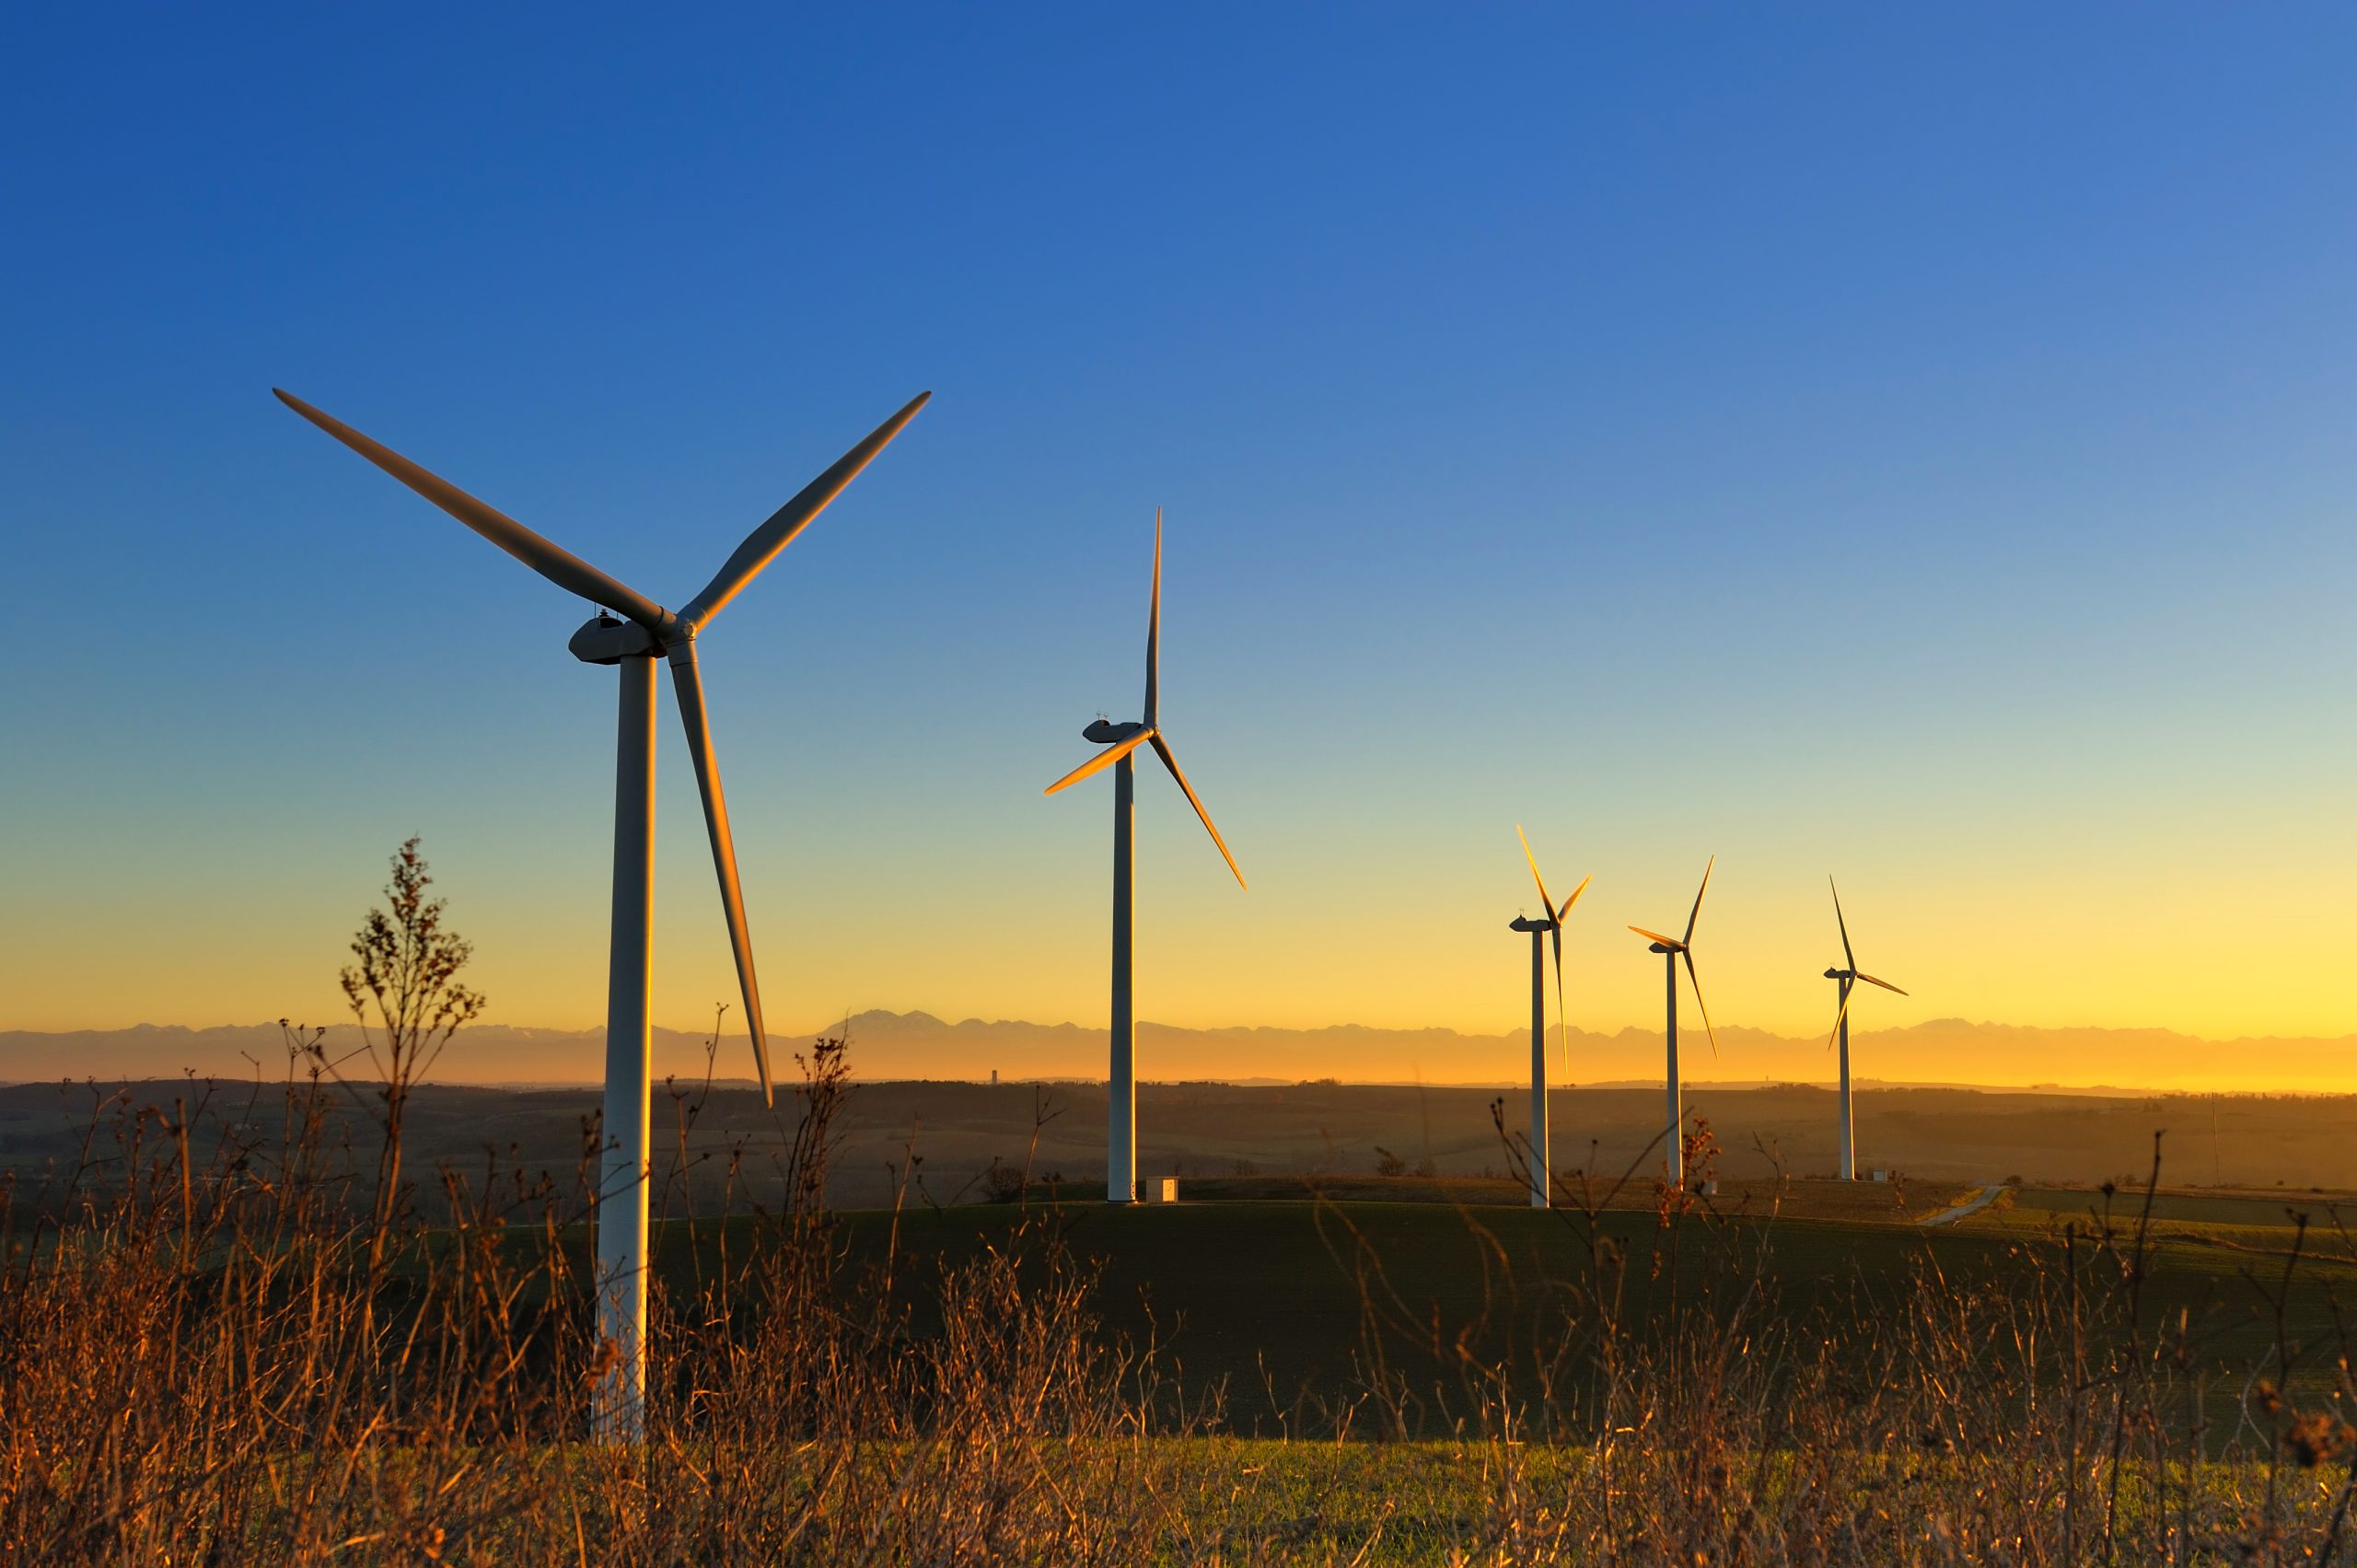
{"points": [[405, 996]]}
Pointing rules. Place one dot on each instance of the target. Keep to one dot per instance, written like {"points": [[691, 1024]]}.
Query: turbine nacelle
{"points": [[606, 639], [1524, 923], [1104, 732]]}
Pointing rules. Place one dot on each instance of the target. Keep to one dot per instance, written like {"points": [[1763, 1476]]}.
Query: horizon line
{"points": [[1510, 1030]]}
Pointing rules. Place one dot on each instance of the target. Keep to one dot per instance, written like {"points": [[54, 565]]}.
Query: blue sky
{"points": [[1907, 442]]}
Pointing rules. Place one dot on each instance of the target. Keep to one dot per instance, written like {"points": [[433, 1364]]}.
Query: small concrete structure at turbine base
{"points": [[634, 640], [1122, 742]]}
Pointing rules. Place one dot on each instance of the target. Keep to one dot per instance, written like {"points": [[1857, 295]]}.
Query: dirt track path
{"points": [[1972, 1205]]}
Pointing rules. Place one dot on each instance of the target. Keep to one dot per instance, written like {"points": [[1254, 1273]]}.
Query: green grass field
{"points": [[1268, 1300], [1409, 1504]]}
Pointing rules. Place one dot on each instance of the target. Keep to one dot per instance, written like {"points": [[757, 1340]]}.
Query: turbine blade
{"points": [[689, 684], [1555, 936], [1839, 1014], [1872, 980], [761, 546], [1563, 1012], [1544, 901], [1672, 943], [1575, 896], [1697, 911], [564, 569], [1162, 749], [1154, 630], [1098, 764], [1696, 982], [1848, 959]]}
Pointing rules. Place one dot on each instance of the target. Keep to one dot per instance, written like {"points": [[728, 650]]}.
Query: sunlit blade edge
{"points": [[688, 680], [761, 546], [1154, 632], [1696, 982], [1100, 762], [1575, 896], [1162, 749], [1849, 958], [1544, 901], [559, 565], [1563, 1012], [1696, 913]]}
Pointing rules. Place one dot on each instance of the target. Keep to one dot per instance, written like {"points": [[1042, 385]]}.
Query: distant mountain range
{"points": [[917, 1045]]}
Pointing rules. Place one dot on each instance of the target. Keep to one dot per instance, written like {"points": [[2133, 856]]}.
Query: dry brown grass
{"points": [[190, 1372], [219, 1344]]}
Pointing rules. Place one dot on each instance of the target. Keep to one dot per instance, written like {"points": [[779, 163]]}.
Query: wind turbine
{"points": [[1673, 949], [645, 633], [1120, 740], [1541, 1192], [1845, 1161]]}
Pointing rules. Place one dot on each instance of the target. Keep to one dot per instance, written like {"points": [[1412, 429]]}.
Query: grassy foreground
{"points": [[250, 1357]]}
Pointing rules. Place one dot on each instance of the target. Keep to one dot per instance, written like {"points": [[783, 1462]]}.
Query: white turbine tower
{"points": [[1121, 740], [645, 633], [1541, 1190], [1673, 949], [1845, 1165]]}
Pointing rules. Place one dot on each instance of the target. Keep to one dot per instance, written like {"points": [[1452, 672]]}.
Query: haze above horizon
{"points": [[1904, 445], [884, 1046]]}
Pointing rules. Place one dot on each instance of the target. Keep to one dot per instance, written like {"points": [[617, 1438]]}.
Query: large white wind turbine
{"points": [[1845, 1167], [645, 633], [1541, 1192], [1673, 949], [1120, 740]]}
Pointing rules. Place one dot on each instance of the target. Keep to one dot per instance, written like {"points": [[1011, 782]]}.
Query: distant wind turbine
{"points": [[1541, 1188], [645, 633], [1121, 740], [1845, 1161], [1672, 949]]}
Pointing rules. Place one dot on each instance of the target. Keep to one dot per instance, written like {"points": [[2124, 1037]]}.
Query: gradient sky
{"points": [[1908, 442]]}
